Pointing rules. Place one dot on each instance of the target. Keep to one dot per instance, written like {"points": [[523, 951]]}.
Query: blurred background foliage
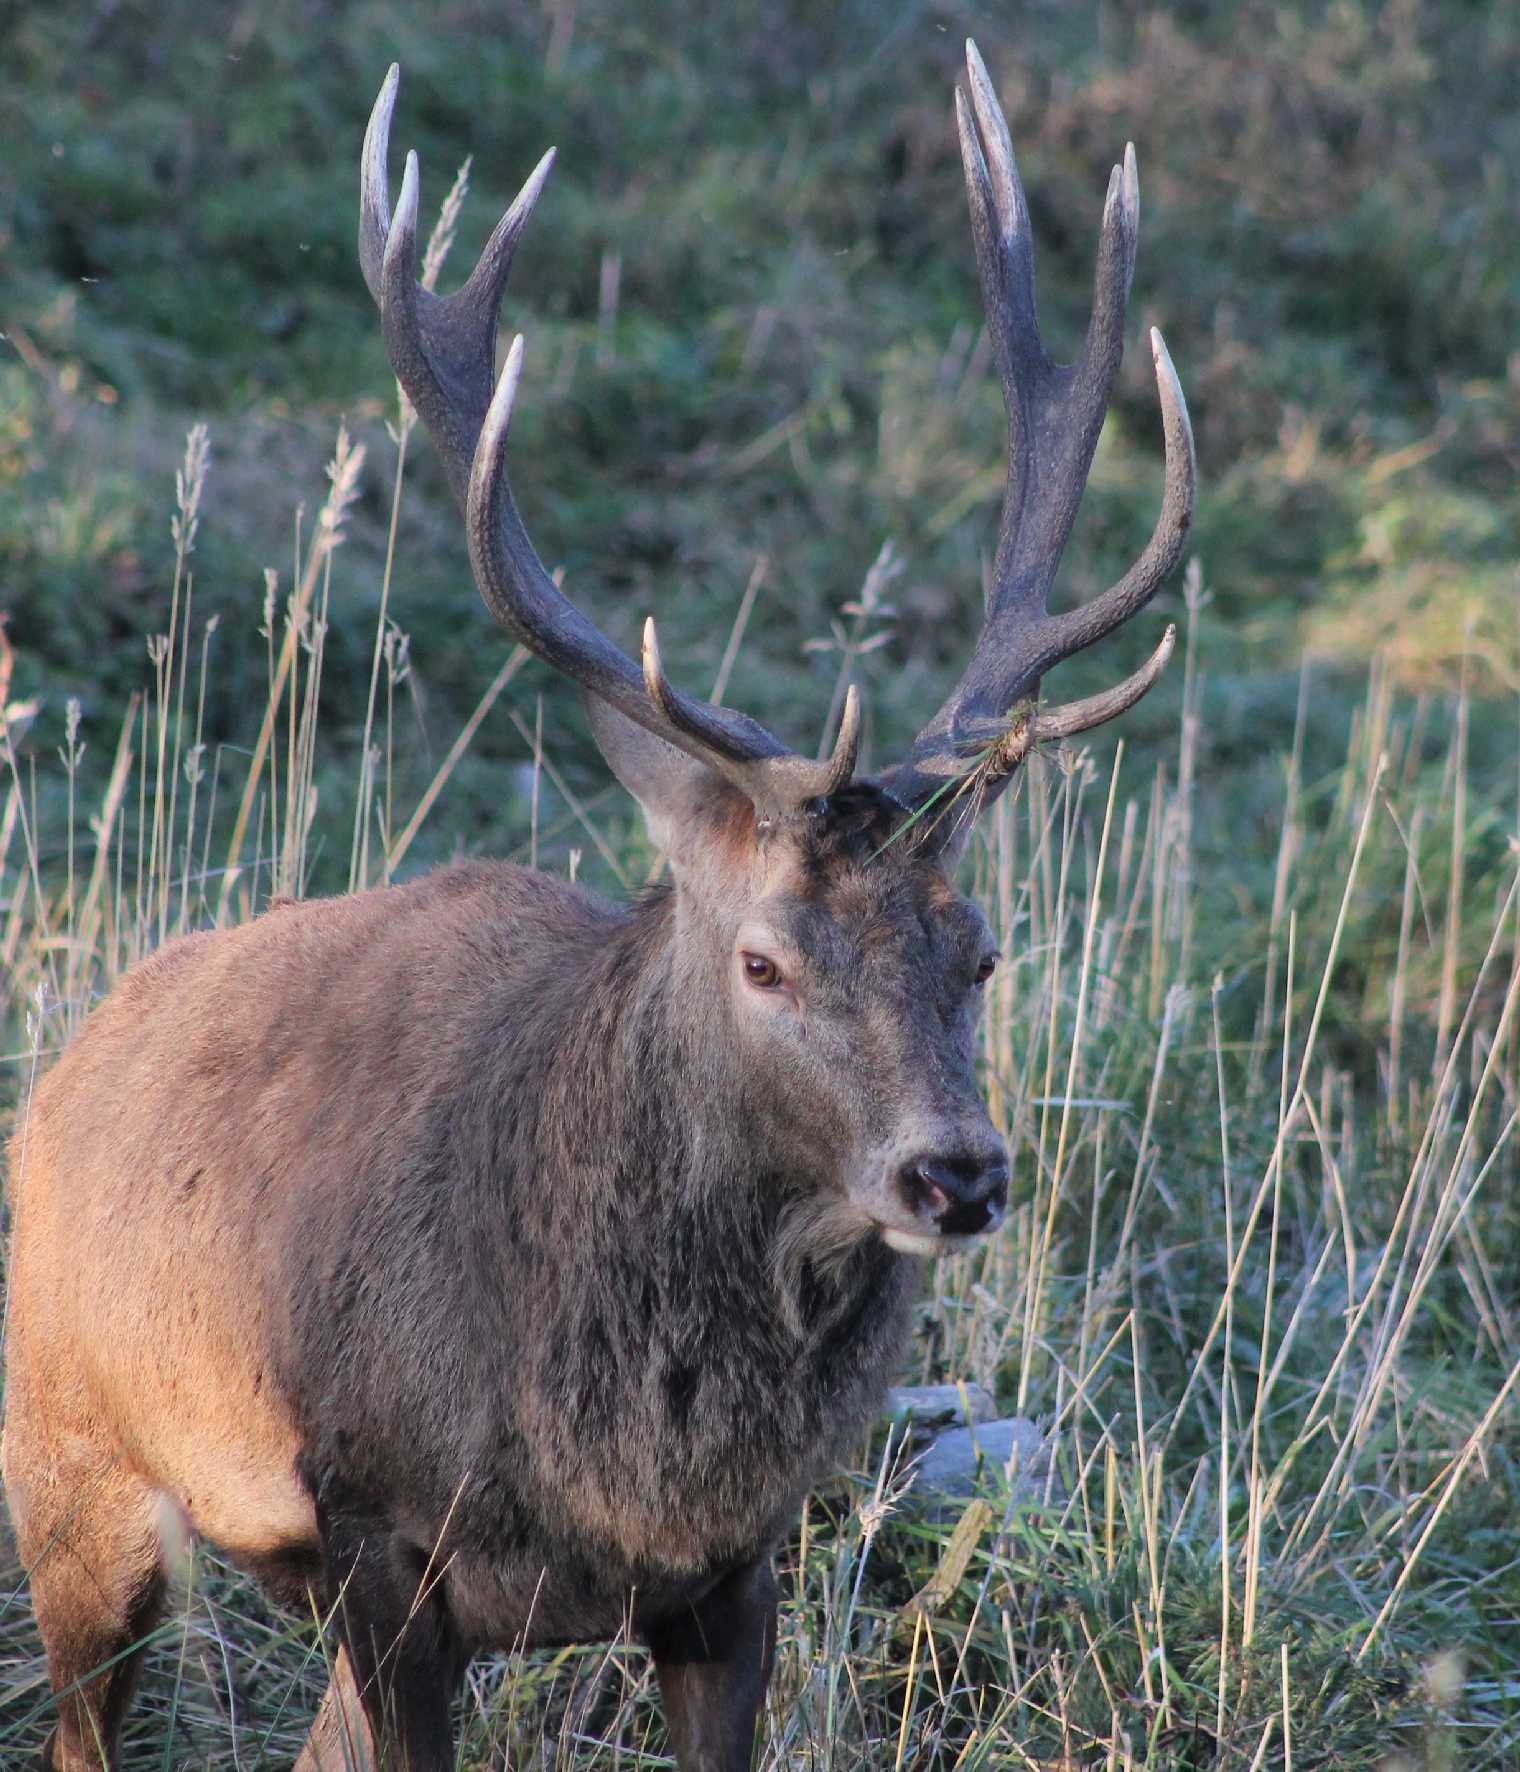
{"points": [[754, 332]]}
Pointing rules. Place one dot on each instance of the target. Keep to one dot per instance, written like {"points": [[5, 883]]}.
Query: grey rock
{"points": [[939, 1405], [962, 1459]]}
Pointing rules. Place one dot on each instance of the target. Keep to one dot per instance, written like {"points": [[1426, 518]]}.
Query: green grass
{"points": [[1255, 1040]]}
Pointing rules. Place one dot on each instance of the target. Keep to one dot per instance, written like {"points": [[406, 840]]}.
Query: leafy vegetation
{"points": [[1256, 1041]]}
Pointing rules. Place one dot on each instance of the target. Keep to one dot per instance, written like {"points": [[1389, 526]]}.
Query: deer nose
{"points": [[963, 1195]]}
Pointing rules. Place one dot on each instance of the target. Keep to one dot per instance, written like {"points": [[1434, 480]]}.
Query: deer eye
{"points": [[986, 967], [763, 973]]}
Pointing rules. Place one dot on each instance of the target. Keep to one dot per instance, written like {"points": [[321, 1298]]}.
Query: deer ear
{"points": [[678, 796]]}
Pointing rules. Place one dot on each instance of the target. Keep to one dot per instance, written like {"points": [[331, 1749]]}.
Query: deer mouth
{"points": [[915, 1242], [923, 1242]]}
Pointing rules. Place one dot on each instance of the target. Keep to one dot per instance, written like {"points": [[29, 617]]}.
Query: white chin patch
{"points": [[913, 1242]]}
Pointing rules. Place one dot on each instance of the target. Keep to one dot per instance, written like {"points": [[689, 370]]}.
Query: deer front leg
{"points": [[714, 1664], [399, 1659]]}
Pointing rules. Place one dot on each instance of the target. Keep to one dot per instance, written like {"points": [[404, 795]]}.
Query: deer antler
{"points": [[443, 351], [1055, 412]]}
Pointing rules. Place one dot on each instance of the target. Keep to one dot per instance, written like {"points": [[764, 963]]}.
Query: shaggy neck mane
{"points": [[660, 1152]]}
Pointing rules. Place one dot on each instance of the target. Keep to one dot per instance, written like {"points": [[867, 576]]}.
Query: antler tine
{"points": [[1073, 717], [1118, 242], [374, 183], [1079, 628], [442, 348], [443, 351], [999, 222], [774, 783], [1055, 413]]}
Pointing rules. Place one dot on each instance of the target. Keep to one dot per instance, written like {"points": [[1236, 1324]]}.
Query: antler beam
{"points": [[443, 352]]}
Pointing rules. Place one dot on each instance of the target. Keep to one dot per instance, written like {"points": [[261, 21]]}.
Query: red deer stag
{"points": [[497, 1266]]}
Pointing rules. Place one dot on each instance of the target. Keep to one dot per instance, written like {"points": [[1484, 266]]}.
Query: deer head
{"points": [[813, 911]]}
